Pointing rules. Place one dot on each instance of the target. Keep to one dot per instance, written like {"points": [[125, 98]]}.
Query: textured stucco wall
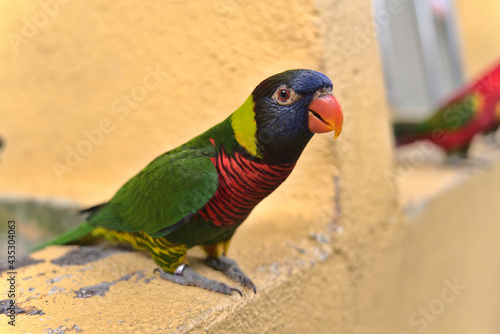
{"points": [[149, 76], [84, 69]]}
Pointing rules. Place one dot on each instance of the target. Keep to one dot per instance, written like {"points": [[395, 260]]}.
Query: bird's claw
{"points": [[244, 280], [230, 268], [189, 277], [237, 290]]}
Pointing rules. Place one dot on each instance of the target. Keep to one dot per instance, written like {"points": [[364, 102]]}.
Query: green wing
{"points": [[170, 189], [457, 112]]}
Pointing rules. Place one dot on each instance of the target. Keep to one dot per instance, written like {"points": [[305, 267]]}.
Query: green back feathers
{"points": [[455, 115], [175, 185]]}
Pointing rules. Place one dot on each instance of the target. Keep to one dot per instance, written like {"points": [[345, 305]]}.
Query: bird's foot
{"points": [[492, 139], [468, 163], [184, 275], [230, 268]]}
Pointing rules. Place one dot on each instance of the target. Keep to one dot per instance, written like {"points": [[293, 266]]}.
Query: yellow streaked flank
{"points": [[165, 254]]}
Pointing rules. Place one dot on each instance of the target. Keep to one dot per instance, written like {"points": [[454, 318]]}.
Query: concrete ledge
{"points": [[309, 278], [95, 288], [451, 251]]}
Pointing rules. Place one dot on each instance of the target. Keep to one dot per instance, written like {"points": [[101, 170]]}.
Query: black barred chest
{"points": [[243, 183]]}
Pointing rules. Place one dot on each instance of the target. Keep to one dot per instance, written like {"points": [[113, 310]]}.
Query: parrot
{"points": [[199, 193], [474, 109]]}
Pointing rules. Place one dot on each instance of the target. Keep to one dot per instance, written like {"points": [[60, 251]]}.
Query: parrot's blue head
{"points": [[289, 108]]}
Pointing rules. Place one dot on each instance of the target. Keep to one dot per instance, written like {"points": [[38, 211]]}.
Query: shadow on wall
{"points": [[41, 219]]}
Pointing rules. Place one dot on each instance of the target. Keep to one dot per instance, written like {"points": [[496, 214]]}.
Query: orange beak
{"points": [[325, 115]]}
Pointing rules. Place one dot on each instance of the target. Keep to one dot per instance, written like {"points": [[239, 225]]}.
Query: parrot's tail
{"points": [[67, 237], [406, 133]]}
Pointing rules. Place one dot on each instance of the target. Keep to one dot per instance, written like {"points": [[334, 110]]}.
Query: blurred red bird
{"points": [[473, 109]]}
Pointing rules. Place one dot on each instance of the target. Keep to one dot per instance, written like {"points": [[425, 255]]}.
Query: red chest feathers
{"points": [[243, 183]]}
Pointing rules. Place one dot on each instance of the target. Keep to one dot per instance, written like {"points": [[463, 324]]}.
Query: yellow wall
{"points": [[75, 70], [479, 24]]}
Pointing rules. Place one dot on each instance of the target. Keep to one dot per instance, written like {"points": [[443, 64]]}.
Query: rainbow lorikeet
{"points": [[200, 192], [473, 109]]}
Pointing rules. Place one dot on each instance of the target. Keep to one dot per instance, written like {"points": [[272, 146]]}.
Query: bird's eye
{"points": [[284, 95]]}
